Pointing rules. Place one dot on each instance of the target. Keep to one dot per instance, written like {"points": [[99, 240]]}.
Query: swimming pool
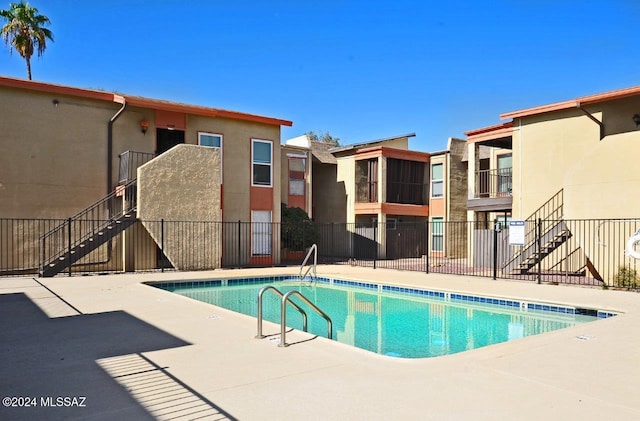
{"points": [[391, 320]]}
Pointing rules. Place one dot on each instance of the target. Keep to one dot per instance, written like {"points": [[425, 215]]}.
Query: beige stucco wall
{"points": [[346, 172], [544, 148], [183, 185], [329, 195], [52, 158], [606, 181]]}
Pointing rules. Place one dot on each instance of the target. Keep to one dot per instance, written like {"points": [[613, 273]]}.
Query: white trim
{"points": [[253, 142], [261, 241], [295, 155]]}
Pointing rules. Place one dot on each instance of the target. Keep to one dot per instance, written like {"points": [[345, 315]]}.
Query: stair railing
{"points": [[56, 243], [542, 222], [129, 163]]}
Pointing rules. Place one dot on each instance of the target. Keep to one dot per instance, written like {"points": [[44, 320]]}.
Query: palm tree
{"points": [[24, 31]]}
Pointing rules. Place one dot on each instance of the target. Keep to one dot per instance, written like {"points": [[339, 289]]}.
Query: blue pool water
{"points": [[390, 320]]}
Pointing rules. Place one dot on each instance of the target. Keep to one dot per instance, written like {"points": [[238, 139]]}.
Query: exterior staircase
{"points": [[547, 224], [89, 229], [529, 256]]}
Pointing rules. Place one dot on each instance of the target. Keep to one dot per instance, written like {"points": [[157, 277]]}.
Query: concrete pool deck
{"points": [[137, 352]]}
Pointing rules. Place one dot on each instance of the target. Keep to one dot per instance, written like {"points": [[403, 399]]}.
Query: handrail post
{"points": [[313, 249], [283, 316], [259, 335]]}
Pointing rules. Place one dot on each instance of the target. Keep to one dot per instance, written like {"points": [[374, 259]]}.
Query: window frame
{"points": [[437, 220], [254, 163], [437, 181], [303, 180], [256, 232]]}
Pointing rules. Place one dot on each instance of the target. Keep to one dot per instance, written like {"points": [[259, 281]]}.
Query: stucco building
{"points": [[568, 162], [65, 148]]}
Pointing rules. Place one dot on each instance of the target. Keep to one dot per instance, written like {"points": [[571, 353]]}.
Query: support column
{"points": [[128, 240]]}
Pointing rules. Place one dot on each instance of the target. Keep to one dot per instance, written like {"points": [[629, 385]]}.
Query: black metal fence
{"points": [[585, 252]]}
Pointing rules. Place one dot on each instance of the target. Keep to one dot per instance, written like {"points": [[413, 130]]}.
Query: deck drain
{"points": [[214, 317], [584, 337]]}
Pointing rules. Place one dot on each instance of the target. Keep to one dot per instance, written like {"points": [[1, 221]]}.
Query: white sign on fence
{"points": [[516, 233]]}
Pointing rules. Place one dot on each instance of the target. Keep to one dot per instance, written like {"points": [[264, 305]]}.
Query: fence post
{"points": [[375, 241], [44, 254], [426, 237], [495, 249], [539, 241], [69, 244], [162, 257], [239, 244]]}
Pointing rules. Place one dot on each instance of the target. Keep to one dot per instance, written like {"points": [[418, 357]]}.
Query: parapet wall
{"points": [[183, 184]]}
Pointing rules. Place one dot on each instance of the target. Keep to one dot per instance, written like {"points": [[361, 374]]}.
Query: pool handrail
{"points": [[313, 249], [278, 292], [283, 316]]}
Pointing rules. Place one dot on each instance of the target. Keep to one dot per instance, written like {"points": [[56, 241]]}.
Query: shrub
{"points": [[627, 278], [297, 230]]}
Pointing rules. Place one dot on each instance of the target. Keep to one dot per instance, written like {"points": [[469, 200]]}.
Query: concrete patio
{"points": [[135, 352]]}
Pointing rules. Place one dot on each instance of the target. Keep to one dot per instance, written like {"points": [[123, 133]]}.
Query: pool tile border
{"points": [[527, 306]]}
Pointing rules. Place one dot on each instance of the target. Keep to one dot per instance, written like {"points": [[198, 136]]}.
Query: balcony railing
{"points": [[129, 163], [493, 183], [406, 193], [367, 192]]}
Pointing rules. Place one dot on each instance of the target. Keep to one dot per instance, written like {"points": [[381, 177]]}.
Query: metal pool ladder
{"points": [[283, 313], [314, 250]]}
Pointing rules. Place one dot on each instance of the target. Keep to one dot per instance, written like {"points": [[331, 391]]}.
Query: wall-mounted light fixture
{"points": [[144, 126], [56, 102], [636, 119]]}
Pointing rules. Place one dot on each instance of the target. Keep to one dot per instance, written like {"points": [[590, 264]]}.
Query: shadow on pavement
{"points": [[82, 366]]}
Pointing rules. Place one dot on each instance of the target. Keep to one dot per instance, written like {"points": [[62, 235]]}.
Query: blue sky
{"points": [[362, 70]]}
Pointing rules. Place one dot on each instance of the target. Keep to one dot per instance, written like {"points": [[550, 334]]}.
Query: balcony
{"points": [[492, 190], [406, 193], [367, 192], [493, 183]]}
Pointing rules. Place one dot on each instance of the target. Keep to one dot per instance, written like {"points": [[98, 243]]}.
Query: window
{"points": [[261, 233], [504, 174], [437, 234], [437, 182], [261, 158], [212, 140], [297, 168]]}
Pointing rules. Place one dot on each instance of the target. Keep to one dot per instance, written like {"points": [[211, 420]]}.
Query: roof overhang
{"points": [[498, 135], [138, 101], [574, 103], [387, 152]]}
